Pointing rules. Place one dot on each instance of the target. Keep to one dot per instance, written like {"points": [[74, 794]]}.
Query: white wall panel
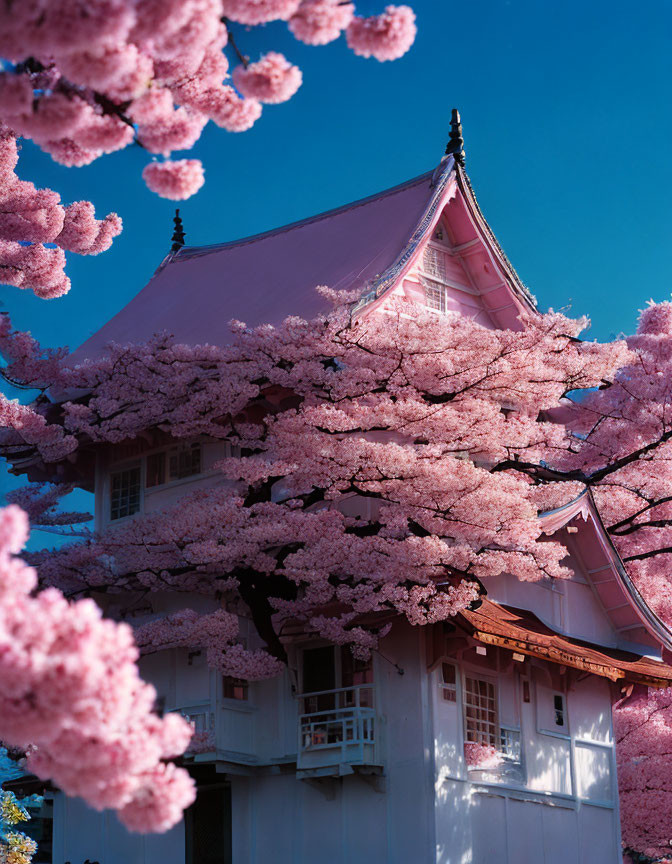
{"points": [[597, 836], [489, 829], [561, 841], [525, 832]]}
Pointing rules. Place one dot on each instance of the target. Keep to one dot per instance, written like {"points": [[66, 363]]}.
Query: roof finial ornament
{"points": [[455, 146], [178, 233]]}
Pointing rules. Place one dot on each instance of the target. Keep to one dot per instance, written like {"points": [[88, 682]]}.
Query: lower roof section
{"points": [[521, 631]]}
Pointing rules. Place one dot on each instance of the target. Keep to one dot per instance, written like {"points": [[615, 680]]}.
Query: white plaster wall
{"points": [[81, 833], [284, 819], [567, 605]]}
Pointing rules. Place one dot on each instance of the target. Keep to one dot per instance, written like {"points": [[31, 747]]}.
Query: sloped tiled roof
{"points": [[264, 278]]}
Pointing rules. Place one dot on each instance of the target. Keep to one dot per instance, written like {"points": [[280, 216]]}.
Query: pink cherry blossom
{"points": [[225, 107], [179, 131], [271, 79], [70, 694], [103, 134], [385, 37], [35, 267], [656, 319], [66, 152], [27, 364], [40, 502], [174, 180], [318, 22], [259, 11], [83, 233], [16, 94], [482, 756]]}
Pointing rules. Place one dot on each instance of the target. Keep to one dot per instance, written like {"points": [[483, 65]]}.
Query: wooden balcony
{"points": [[221, 732], [336, 730]]}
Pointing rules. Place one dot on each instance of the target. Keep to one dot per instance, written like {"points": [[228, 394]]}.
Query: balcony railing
{"points": [[202, 717], [337, 727], [227, 729]]}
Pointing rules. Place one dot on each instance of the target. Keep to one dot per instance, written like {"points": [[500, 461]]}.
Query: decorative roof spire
{"points": [[456, 144], [178, 233]]}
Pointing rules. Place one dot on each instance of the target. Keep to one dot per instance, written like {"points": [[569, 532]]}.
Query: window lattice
{"points": [[434, 263], [125, 493], [510, 744], [435, 296], [184, 462], [480, 709]]}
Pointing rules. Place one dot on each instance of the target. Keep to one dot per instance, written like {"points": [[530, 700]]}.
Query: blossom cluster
{"points": [[387, 502], [482, 756], [87, 83], [70, 695], [31, 218]]}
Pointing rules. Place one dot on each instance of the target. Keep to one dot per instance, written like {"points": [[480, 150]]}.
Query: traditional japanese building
{"points": [[343, 761]]}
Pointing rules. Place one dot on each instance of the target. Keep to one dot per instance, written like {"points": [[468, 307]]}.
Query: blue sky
{"points": [[568, 130]]}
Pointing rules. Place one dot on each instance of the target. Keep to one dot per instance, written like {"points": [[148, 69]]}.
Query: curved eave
{"points": [[584, 505], [450, 179], [444, 181], [518, 289]]}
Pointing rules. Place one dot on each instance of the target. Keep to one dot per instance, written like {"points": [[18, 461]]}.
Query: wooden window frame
{"points": [[117, 471]]}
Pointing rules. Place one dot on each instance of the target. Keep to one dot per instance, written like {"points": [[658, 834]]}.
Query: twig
{"points": [[244, 59]]}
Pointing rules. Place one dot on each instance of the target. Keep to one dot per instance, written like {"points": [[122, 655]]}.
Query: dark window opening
{"points": [[40, 828], [448, 682], [319, 673], [559, 707]]}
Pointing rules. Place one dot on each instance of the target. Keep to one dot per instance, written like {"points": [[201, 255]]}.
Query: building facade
{"points": [[484, 739]]}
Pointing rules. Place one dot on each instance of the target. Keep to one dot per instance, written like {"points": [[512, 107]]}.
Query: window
{"points": [[234, 688], [355, 673], [509, 743], [125, 493], [559, 709], [480, 712], [435, 296], [184, 461], [434, 263], [173, 464], [448, 682]]}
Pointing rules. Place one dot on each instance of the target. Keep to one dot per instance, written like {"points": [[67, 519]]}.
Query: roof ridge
{"points": [[187, 252]]}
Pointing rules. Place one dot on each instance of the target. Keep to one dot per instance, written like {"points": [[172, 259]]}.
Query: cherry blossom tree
{"points": [[379, 468], [84, 78], [363, 479]]}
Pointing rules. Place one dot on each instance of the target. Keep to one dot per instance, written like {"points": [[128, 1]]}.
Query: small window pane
{"points": [[125, 493], [559, 707], [448, 673], [235, 688], [434, 264], [435, 296], [185, 462], [481, 712], [448, 682]]}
